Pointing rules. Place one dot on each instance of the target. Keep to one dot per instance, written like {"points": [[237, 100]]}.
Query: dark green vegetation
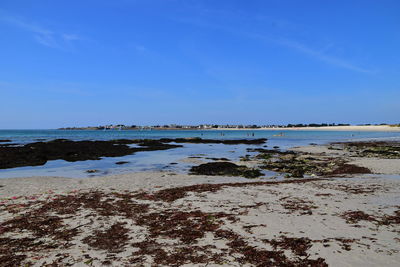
{"points": [[225, 169], [316, 125], [378, 149], [298, 164]]}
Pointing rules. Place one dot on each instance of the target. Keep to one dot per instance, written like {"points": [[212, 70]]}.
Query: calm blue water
{"points": [[160, 160]]}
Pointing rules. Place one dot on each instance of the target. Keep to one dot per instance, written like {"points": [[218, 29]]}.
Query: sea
{"points": [[169, 160]]}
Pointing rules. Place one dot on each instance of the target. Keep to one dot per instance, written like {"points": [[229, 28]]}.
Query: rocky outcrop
{"points": [[225, 169]]}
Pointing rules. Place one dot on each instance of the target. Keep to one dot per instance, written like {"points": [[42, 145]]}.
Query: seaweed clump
{"points": [[379, 149], [225, 169], [297, 165], [112, 239]]}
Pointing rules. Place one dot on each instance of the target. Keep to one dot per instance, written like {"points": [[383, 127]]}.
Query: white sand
{"points": [[372, 246], [131, 181], [378, 128]]}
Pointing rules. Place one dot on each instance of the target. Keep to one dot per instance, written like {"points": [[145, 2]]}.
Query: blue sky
{"points": [[78, 63]]}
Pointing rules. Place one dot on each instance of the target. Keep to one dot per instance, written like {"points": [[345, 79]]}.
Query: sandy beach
{"points": [[199, 133], [169, 219], [377, 128]]}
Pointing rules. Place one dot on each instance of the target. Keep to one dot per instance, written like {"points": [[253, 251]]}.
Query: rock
{"points": [[121, 162], [223, 159], [225, 169], [297, 173], [92, 171]]}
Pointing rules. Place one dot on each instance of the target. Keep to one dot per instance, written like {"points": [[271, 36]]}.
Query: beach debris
{"points": [[225, 169]]}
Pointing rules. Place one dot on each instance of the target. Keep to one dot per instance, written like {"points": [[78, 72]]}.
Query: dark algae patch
{"points": [[353, 217], [35, 154], [378, 149], [225, 169], [112, 239], [298, 164], [349, 169], [297, 245], [38, 153], [296, 204]]}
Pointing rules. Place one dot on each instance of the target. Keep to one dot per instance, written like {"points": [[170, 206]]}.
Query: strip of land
{"points": [[372, 128]]}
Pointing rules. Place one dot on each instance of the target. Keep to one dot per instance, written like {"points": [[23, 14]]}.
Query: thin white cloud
{"points": [[321, 55], [71, 37], [40, 34]]}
